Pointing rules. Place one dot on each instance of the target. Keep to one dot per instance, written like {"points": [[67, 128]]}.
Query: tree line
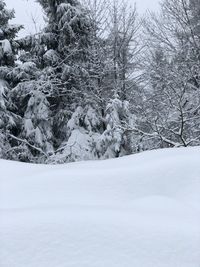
{"points": [[98, 81]]}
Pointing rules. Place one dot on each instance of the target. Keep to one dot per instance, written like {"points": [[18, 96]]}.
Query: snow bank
{"points": [[136, 211]]}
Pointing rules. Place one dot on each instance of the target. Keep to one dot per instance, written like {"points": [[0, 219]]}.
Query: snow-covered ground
{"points": [[137, 211]]}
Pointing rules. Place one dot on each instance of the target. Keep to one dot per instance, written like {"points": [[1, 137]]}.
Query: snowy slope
{"points": [[137, 211]]}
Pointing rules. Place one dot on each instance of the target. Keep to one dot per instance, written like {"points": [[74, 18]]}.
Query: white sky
{"points": [[28, 9]]}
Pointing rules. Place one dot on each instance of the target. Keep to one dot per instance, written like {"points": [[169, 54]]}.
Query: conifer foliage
{"points": [[8, 46]]}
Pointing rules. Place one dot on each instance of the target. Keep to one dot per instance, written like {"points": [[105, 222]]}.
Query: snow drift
{"points": [[137, 211]]}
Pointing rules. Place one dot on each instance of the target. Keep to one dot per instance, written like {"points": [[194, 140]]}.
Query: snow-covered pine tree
{"points": [[37, 126], [83, 131], [8, 34], [8, 48], [114, 141], [65, 42], [34, 133], [51, 80], [6, 120]]}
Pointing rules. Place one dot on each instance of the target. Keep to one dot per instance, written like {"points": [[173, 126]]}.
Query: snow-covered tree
{"points": [[83, 134], [8, 46], [31, 105], [37, 124], [122, 46], [8, 33], [65, 41], [172, 65], [114, 140], [6, 120]]}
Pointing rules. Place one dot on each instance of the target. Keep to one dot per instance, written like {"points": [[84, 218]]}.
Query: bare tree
{"points": [[172, 97], [123, 36]]}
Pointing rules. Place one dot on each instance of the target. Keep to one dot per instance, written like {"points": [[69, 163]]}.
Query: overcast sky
{"points": [[28, 9]]}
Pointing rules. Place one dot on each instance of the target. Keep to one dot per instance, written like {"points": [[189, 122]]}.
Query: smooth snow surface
{"points": [[137, 211]]}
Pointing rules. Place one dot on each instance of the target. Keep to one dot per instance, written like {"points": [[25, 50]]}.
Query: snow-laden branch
{"points": [[28, 144]]}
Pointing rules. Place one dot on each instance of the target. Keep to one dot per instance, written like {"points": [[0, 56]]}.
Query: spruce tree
{"points": [[8, 46], [114, 140], [54, 69], [66, 39]]}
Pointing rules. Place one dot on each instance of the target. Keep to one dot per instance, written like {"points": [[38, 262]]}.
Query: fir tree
{"points": [[65, 41], [8, 46], [114, 140]]}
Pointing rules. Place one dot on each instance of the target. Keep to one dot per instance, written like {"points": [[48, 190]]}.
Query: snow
{"points": [[78, 147], [6, 46], [136, 211]]}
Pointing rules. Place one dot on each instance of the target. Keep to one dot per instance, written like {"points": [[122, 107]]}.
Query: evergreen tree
{"points": [[54, 74], [83, 130], [65, 41], [114, 140], [8, 33], [8, 46], [31, 105]]}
